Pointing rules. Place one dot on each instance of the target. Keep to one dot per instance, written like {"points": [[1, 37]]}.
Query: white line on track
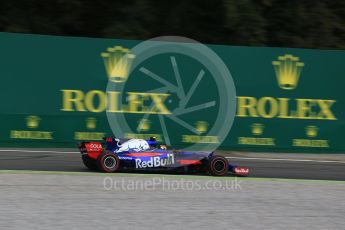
{"points": [[239, 158], [285, 159]]}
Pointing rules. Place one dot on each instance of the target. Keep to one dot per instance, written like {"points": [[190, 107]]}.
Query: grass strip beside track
{"points": [[169, 176]]}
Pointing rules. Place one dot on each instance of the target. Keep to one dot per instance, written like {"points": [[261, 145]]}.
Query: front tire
{"points": [[108, 162], [218, 166]]}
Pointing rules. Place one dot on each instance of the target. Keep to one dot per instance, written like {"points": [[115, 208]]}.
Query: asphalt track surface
{"points": [[79, 199], [70, 161], [57, 201]]}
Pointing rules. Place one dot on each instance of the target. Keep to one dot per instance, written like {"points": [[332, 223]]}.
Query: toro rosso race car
{"points": [[146, 155]]}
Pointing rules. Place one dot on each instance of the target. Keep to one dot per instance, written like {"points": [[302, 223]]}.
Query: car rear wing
{"points": [[108, 143], [92, 148]]}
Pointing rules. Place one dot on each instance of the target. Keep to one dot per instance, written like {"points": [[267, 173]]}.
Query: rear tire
{"points": [[90, 163], [218, 166], [108, 162]]}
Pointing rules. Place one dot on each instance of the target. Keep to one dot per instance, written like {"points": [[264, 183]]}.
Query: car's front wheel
{"points": [[108, 162], [218, 166]]}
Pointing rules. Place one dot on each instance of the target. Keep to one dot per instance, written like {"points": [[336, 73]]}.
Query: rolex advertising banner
{"points": [[56, 91]]}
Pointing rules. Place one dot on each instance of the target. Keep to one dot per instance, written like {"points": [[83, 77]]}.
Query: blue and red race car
{"points": [[147, 155]]}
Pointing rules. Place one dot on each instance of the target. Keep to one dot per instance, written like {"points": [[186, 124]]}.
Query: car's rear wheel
{"points": [[218, 166], [108, 162], [89, 162]]}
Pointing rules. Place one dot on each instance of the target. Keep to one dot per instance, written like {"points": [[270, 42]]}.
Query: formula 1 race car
{"points": [[146, 155]]}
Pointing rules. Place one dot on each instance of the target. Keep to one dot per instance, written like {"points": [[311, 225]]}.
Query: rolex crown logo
{"points": [[288, 69], [118, 62], [311, 130], [32, 122], [201, 127], [257, 129], [144, 125], [91, 123]]}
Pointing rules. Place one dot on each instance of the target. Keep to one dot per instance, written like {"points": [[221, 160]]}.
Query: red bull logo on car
{"points": [[155, 161]]}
